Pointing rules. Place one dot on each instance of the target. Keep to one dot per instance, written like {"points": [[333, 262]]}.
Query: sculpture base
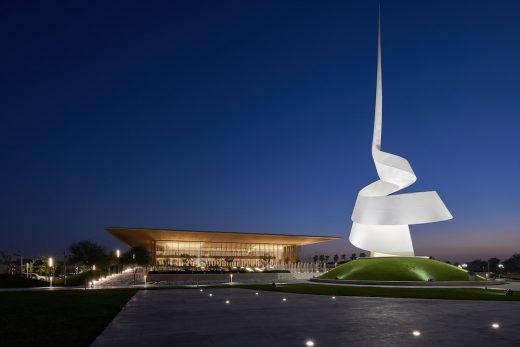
{"points": [[397, 269]]}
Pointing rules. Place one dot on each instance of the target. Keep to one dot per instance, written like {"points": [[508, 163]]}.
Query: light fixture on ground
{"points": [[145, 281], [227, 301], [201, 290], [256, 293], [284, 299], [210, 294], [495, 325], [416, 333], [309, 343]]}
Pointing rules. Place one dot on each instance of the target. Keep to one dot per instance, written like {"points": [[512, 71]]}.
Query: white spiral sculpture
{"points": [[380, 220]]}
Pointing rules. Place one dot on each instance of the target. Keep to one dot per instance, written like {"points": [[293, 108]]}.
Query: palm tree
{"points": [[229, 261], [336, 258], [353, 256], [343, 257], [315, 258]]}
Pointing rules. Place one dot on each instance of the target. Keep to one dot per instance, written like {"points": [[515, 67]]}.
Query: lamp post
{"points": [[133, 258], [64, 268], [51, 266], [118, 254], [500, 267], [487, 274]]}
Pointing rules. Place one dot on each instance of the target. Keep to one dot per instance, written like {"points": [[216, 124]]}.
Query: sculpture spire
{"points": [[378, 118], [380, 217]]}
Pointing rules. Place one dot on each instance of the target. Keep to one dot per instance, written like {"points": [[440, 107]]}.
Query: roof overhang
{"points": [[145, 237]]}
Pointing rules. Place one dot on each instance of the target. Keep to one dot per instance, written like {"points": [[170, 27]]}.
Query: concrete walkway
{"points": [[185, 317]]}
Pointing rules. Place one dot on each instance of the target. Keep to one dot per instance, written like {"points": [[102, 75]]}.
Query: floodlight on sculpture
{"points": [[380, 220]]}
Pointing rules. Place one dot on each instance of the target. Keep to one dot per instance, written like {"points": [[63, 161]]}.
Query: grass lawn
{"points": [[422, 293], [8, 281], [397, 269], [58, 318]]}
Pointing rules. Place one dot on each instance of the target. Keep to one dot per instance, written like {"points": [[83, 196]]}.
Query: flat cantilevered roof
{"points": [[145, 237]]}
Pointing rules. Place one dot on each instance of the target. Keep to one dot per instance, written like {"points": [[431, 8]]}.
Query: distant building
{"points": [[216, 248]]}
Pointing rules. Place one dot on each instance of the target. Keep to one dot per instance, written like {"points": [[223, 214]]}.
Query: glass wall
{"points": [[222, 254]]}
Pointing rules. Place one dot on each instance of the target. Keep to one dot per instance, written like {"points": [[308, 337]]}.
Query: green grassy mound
{"points": [[397, 269]]}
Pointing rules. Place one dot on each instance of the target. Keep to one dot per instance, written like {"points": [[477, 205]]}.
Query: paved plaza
{"points": [[188, 317]]}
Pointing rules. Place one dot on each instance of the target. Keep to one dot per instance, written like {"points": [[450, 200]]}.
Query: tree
{"points": [[493, 264], [477, 265], [327, 258], [8, 261], [336, 258], [353, 256], [343, 257], [315, 258], [229, 260], [88, 253], [513, 263], [322, 258], [136, 255]]}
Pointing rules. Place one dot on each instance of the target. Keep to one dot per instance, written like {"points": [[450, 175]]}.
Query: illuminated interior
{"points": [[208, 249], [223, 254]]}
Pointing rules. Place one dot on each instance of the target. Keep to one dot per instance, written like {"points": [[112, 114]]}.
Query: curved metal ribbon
{"points": [[380, 220]]}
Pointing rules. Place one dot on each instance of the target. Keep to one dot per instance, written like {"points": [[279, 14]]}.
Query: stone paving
{"points": [[188, 317]]}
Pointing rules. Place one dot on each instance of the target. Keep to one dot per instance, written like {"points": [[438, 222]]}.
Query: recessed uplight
{"points": [[333, 298], [416, 333], [256, 293], [201, 290], [210, 294], [227, 301], [284, 299], [309, 343], [495, 325]]}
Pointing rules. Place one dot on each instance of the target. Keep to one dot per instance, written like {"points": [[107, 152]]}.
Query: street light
{"points": [[500, 266], [118, 254], [133, 258], [51, 264]]}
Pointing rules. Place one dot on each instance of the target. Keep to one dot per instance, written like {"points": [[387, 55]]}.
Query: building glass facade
{"points": [[222, 254]]}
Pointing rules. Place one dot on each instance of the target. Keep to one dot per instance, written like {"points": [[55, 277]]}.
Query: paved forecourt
{"points": [[188, 317]]}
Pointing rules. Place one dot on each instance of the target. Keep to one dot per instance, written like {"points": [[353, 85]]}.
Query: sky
{"points": [[255, 116]]}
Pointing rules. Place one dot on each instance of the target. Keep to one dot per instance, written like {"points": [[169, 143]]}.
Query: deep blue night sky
{"points": [[254, 116]]}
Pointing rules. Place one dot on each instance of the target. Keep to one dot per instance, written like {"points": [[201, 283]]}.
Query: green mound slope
{"points": [[397, 269]]}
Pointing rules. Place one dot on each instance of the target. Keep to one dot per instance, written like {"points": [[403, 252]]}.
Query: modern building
{"points": [[199, 248]]}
